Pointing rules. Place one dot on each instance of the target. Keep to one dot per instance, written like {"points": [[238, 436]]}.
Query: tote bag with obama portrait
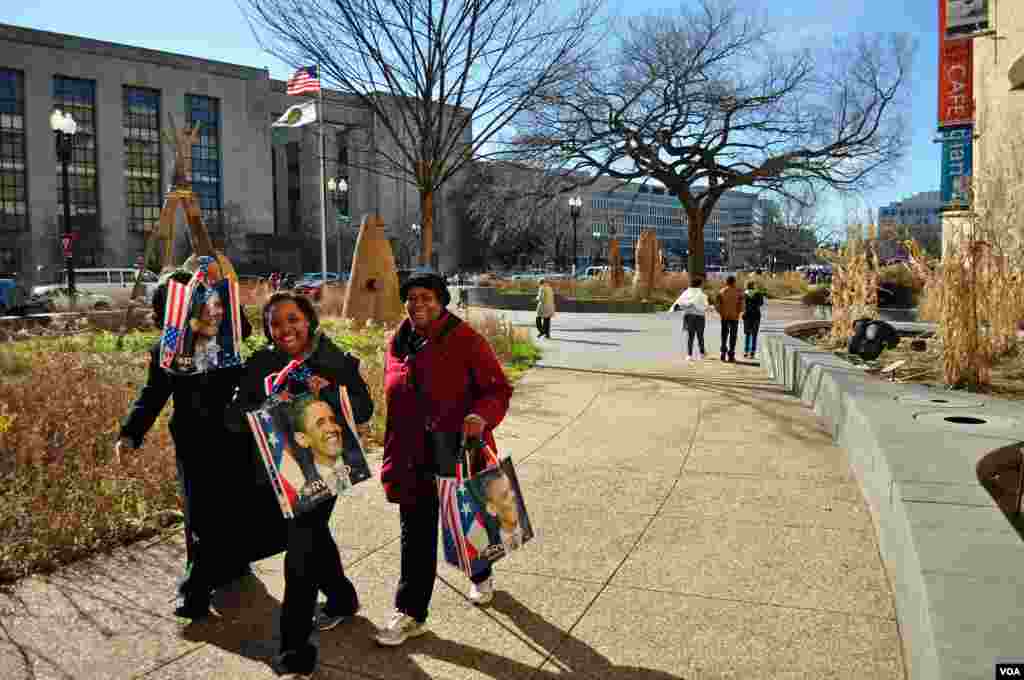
{"points": [[483, 516], [307, 440]]}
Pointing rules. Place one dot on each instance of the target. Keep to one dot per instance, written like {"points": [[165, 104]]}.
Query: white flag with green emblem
{"points": [[296, 116]]}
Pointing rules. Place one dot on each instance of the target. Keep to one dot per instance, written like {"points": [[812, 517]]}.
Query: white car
{"points": [[113, 283]]}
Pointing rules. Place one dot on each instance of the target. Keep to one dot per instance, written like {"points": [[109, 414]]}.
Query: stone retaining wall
{"points": [[955, 562]]}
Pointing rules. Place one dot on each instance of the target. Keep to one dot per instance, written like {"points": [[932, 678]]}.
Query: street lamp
{"points": [[598, 236], [65, 127], [337, 187], [416, 230], [724, 251], [575, 203]]}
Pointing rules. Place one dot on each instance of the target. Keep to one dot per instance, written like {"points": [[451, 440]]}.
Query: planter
{"points": [[890, 314], [490, 297]]}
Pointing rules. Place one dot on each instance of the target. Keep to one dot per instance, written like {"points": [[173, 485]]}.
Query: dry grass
{"points": [[854, 292]]}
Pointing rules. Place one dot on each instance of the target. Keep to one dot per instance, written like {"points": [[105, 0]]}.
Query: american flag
{"points": [[275, 382], [271, 446], [305, 80], [462, 526], [178, 297]]}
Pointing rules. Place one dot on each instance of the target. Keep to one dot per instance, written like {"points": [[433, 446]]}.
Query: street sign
{"points": [[66, 243], [956, 166]]}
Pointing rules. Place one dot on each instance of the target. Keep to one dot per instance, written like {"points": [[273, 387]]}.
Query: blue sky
{"points": [[216, 29]]}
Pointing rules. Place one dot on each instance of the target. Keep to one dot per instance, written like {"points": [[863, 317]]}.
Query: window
{"points": [[78, 97], [206, 168], [13, 203], [8, 261], [294, 186], [141, 118]]}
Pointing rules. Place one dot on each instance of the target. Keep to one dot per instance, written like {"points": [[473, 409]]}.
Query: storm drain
{"points": [[938, 401], [979, 423]]}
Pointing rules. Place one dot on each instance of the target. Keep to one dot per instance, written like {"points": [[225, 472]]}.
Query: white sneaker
{"points": [[689, 358], [400, 628], [481, 593], [700, 357]]}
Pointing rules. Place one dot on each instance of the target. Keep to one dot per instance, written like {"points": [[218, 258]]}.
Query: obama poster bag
{"points": [[307, 440], [483, 516]]}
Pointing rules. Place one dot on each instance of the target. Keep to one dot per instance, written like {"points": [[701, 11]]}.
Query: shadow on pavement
{"points": [[246, 623], [351, 648], [585, 342]]}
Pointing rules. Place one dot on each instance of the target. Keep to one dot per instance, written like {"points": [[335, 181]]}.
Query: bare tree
{"points": [[430, 71], [703, 102], [513, 210]]}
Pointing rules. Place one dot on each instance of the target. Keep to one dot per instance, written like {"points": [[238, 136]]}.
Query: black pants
{"points": [[751, 324], [312, 563], [694, 325], [419, 558], [544, 325], [730, 327]]}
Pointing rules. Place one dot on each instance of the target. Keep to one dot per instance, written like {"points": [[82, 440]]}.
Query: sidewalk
{"points": [[693, 524]]}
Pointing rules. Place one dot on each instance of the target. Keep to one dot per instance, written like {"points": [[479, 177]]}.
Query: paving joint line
{"points": [[636, 543], [572, 421]]}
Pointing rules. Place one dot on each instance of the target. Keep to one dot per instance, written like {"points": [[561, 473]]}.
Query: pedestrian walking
{"points": [[753, 300], [730, 308], [312, 562], [204, 451], [545, 309], [694, 305], [443, 384]]}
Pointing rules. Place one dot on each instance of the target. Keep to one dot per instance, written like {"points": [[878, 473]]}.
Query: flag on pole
{"points": [[297, 116], [306, 79]]}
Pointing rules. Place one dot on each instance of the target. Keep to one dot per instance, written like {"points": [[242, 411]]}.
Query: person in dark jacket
{"points": [[753, 300], [443, 382], [204, 451], [312, 562]]}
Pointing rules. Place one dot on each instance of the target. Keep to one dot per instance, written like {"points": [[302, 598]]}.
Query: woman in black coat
{"points": [[312, 561], [206, 454]]}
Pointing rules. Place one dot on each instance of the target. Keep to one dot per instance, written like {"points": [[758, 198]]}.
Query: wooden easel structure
{"points": [[181, 194]]}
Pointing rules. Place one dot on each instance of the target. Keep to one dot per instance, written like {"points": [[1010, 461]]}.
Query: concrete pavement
{"points": [[693, 521]]}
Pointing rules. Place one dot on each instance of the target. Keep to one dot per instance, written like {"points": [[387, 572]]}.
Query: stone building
{"points": [[260, 201], [998, 151]]}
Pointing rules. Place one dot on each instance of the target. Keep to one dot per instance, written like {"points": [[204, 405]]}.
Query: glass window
{"points": [[78, 97], [142, 159], [13, 204], [90, 277], [294, 186], [206, 169]]}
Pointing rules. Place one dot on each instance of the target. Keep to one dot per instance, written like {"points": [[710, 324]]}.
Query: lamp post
{"points": [[65, 127], [575, 203], [337, 187], [724, 250], [598, 236], [416, 230]]}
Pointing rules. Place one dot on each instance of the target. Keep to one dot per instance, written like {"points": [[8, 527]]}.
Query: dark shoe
{"points": [[723, 356], [732, 358], [298, 662], [192, 608], [326, 618]]}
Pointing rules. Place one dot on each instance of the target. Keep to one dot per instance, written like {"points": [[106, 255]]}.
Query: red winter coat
{"points": [[458, 374]]}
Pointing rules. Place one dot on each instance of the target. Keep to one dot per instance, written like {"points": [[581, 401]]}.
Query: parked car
{"points": [[58, 300], [16, 299], [114, 283]]}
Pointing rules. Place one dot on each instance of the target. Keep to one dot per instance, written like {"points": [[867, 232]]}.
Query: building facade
{"points": [[918, 217], [261, 202], [732, 232]]}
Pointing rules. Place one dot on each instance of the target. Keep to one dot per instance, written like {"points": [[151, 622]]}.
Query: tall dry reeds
{"points": [[854, 287]]}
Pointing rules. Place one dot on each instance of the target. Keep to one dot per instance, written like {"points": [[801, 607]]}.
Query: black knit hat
{"points": [[429, 280]]}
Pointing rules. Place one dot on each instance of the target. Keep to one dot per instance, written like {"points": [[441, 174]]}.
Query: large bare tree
{"points": [[443, 77], [705, 101]]}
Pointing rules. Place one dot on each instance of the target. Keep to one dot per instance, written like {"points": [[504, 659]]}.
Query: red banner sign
{"points": [[956, 87]]}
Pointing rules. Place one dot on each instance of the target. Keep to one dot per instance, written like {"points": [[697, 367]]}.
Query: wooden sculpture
{"points": [[372, 292]]}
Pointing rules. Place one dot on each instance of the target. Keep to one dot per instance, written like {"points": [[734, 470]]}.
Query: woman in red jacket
{"points": [[442, 383]]}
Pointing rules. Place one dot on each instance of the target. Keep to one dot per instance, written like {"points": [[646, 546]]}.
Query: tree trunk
{"points": [[427, 235], [695, 223]]}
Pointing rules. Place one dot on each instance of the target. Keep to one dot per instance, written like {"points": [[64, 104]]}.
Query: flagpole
{"points": [[323, 184]]}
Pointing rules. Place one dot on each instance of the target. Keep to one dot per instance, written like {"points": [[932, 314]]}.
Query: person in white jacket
{"points": [[694, 305]]}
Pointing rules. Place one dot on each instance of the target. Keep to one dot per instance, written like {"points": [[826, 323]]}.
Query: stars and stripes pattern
{"points": [[294, 369], [462, 527], [271, 447], [179, 296], [305, 80]]}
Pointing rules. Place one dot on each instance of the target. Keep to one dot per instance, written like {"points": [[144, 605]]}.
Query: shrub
{"points": [[817, 296]]}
